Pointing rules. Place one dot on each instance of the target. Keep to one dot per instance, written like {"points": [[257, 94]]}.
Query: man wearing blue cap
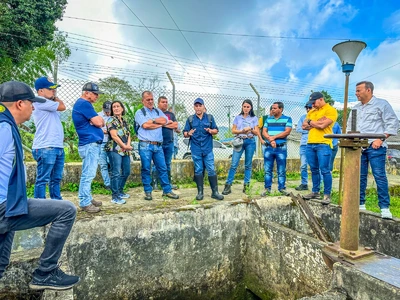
{"points": [[17, 212], [48, 143], [200, 128]]}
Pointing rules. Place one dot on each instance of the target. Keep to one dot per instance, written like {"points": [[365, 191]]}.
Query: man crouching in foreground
{"points": [[17, 212]]}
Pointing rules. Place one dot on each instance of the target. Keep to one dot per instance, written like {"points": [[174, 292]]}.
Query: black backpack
{"points": [[137, 126]]}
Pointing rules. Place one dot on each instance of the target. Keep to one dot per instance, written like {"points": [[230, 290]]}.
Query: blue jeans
{"points": [[50, 166], [204, 161], [120, 170], [175, 151], [149, 153], [249, 147], [303, 164], [60, 214], [377, 159], [103, 162], [319, 157], [90, 154], [168, 150], [333, 156], [270, 155]]}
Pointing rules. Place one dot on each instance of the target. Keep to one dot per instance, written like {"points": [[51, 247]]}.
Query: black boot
{"points": [[227, 189], [154, 180], [214, 188], [200, 185], [173, 186], [246, 187]]}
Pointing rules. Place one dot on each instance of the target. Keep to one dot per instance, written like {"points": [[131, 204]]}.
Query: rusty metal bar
{"points": [[344, 127], [350, 221], [353, 120]]}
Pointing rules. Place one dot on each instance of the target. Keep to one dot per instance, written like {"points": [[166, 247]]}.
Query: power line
{"points": [[154, 36], [228, 33], [198, 58]]}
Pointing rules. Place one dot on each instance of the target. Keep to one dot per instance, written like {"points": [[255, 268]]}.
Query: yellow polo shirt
{"points": [[316, 136]]}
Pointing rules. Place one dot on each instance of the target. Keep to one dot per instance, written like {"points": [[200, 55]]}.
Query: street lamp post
{"points": [[348, 52]]}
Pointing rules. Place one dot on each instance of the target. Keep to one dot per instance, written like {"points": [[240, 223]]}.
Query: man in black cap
{"points": [[17, 212], [103, 160], [200, 128], [88, 125], [319, 121]]}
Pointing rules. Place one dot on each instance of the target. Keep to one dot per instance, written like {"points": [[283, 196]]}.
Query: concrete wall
{"points": [[181, 169]]}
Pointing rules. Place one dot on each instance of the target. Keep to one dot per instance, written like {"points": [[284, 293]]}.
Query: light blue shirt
{"points": [[376, 116], [241, 122], [7, 154], [105, 118], [151, 135], [49, 130], [336, 130], [304, 133]]}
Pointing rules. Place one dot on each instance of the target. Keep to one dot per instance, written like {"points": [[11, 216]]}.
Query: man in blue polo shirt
{"points": [[276, 129], [150, 121], [200, 128], [48, 143], [88, 126]]}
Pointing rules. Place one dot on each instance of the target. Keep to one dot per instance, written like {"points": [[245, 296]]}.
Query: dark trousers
{"points": [[61, 214]]}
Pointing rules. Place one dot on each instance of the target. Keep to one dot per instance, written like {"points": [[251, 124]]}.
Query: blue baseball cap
{"points": [[45, 83], [199, 100]]}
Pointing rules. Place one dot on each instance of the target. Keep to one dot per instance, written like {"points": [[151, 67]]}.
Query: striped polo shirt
{"points": [[277, 126]]}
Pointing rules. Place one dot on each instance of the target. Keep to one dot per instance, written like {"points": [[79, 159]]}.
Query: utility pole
{"points": [[229, 116]]}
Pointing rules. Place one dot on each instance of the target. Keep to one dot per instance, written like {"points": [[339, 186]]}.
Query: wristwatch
{"points": [[308, 122], [154, 121]]}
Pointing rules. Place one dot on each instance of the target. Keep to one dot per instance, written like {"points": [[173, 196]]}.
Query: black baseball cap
{"points": [[92, 87], [313, 97], [107, 106], [12, 91]]}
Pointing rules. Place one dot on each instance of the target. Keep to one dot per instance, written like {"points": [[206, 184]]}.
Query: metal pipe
{"points": [[258, 116], [344, 127], [173, 91], [350, 220]]}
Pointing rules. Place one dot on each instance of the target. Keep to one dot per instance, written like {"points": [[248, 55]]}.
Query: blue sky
{"points": [[279, 67]]}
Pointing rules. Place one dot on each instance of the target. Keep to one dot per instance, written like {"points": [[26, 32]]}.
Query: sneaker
{"points": [[313, 195], [266, 193], [171, 195], [118, 201], [90, 209], [53, 280], [174, 187], [97, 203], [362, 207], [147, 196], [302, 187], [326, 200], [124, 196], [283, 192], [386, 214]]}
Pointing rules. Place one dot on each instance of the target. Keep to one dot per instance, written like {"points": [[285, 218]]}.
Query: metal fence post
{"points": [[258, 117], [173, 92]]}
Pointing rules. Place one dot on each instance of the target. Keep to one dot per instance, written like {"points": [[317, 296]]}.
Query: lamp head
{"points": [[348, 52]]}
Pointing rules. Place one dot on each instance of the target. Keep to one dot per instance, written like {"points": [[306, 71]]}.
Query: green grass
{"points": [[371, 201]]}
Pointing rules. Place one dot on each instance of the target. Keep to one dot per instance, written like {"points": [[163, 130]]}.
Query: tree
{"points": [[150, 84], [26, 25], [328, 98], [180, 112], [115, 88], [35, 63]]}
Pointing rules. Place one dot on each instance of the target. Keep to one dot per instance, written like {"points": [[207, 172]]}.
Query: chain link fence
{"points": [[223, 107]]}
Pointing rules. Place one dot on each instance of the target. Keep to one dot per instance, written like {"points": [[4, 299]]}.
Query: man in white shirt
{"points": [[48, 143], [103, 160]]}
